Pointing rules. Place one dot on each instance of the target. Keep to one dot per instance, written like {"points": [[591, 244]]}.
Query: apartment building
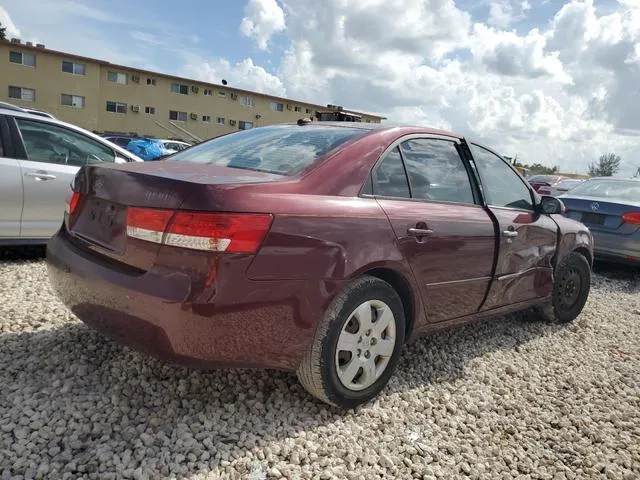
{"points": [[108, 98]]}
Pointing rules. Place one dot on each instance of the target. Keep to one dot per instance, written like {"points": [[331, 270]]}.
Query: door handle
{"points": [[419, 232], [510, 233], [40, 176]]}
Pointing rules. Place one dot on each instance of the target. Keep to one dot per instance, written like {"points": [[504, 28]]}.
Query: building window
{"points": [[247, 100], [220, 120], [73, 68], [206, 118], [298, 109], [180, 88], [208, 92], [177, 116], [75, 101], [277, 107], [26, 94], [116, 107], [242, 125], [150, 110], [26, 59], [307, 110], [118, 77], [151, 81], [222, 94]]}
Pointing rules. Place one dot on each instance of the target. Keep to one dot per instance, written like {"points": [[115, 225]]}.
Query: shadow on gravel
{"points": [[11, 254], [77, 399], [619, 272]]}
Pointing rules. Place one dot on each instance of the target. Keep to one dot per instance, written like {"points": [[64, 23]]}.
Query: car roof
{"points": [[22, 113], [402, 128]]}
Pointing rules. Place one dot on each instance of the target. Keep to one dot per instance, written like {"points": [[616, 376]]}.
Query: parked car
{"points": [[315, 247], [560, 188], [539, 181], [39, 158], [610, 207], [153, 148]]}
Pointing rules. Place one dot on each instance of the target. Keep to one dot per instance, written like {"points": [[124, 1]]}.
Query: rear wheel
{"points": [[571, 287], [357, 345]]}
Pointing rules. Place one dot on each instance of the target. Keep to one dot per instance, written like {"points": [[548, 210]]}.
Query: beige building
{"points": [[108, 98]]}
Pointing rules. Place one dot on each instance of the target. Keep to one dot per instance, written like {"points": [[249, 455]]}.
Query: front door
{"points": [[447, 238], [527, 239], [54, 156], [10, 187]]}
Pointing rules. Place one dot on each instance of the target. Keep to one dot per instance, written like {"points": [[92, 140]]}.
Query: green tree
{"points": [[539, 169], [3, 32], [608, 165]]}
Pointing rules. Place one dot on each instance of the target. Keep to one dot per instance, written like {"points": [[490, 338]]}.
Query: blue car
{"points": [[610, 207], [148, 148]]}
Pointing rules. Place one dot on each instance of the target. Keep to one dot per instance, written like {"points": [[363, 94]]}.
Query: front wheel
{"points": [[571, 287], [356, 346]]}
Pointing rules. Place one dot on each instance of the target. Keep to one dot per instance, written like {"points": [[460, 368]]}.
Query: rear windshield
{"points": [[615, 189], [280, 149]]}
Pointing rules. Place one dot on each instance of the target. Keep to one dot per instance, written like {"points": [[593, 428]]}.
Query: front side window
{"points": [[390, 178], [73, 68], [279, 149], [118, 77], [23, 58], [502, 186], [75, 101], [21, 93], [436, 171], [52, 144]]}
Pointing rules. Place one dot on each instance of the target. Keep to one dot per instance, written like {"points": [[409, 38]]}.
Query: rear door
{"points": [[424, 187], [10, 186], [527, 239], [51, 156]]}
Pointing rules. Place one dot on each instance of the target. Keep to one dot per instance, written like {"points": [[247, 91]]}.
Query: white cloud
{"points": [[503, 13], [262, 20], [5, 20]]}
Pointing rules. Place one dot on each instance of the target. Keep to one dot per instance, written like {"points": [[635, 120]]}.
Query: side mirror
{"points": [[551, 205]]}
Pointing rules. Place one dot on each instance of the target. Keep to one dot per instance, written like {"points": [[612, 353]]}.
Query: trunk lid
{"points": [[600, 214], [99, 221]]}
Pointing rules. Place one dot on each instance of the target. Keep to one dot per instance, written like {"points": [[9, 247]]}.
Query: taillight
{"points": [[72, 202], [213, 232], [631, 217]]}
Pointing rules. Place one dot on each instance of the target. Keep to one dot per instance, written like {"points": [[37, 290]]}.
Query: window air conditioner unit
{"points": [[289, 106], [194, 116], [234, 96], [135, 78], [135, 108], [232, 122], [195, 89]]}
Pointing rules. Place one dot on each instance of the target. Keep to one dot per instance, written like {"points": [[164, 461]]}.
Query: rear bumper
{"points": [[185, 318], [617, 248]]}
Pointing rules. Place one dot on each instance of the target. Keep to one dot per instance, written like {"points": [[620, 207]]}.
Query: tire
{"points": [[325, 368], [573, 274]]}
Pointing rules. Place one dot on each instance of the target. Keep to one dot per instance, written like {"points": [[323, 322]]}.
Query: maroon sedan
{"points": [[543, 183], [314, 247]]}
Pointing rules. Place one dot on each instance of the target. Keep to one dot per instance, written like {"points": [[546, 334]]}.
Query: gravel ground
{"points": [[509, 398]]}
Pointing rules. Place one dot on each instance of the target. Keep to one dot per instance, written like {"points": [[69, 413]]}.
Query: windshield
{"points": [[616, 189], [280, 149]]}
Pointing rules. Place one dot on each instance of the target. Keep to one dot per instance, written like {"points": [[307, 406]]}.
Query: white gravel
{"points": [[510, 398]]}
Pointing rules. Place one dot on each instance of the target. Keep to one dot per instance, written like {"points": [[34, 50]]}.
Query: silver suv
{"points": [[39, 157]]}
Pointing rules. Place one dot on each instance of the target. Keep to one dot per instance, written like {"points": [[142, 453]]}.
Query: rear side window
{"points": [[390, 178], [279, 149], [436, 171]]}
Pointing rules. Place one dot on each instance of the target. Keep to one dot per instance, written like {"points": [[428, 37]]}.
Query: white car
{"points": [[174, 146], [39, 158]]}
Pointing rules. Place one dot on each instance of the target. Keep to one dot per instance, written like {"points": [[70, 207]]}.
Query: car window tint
{"points": [[436, 171], [389, 177], [279, 149], [501, 185], [49, 143]]}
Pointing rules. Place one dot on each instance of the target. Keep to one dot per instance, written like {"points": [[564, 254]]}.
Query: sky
{"points": [[555, 82]]}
